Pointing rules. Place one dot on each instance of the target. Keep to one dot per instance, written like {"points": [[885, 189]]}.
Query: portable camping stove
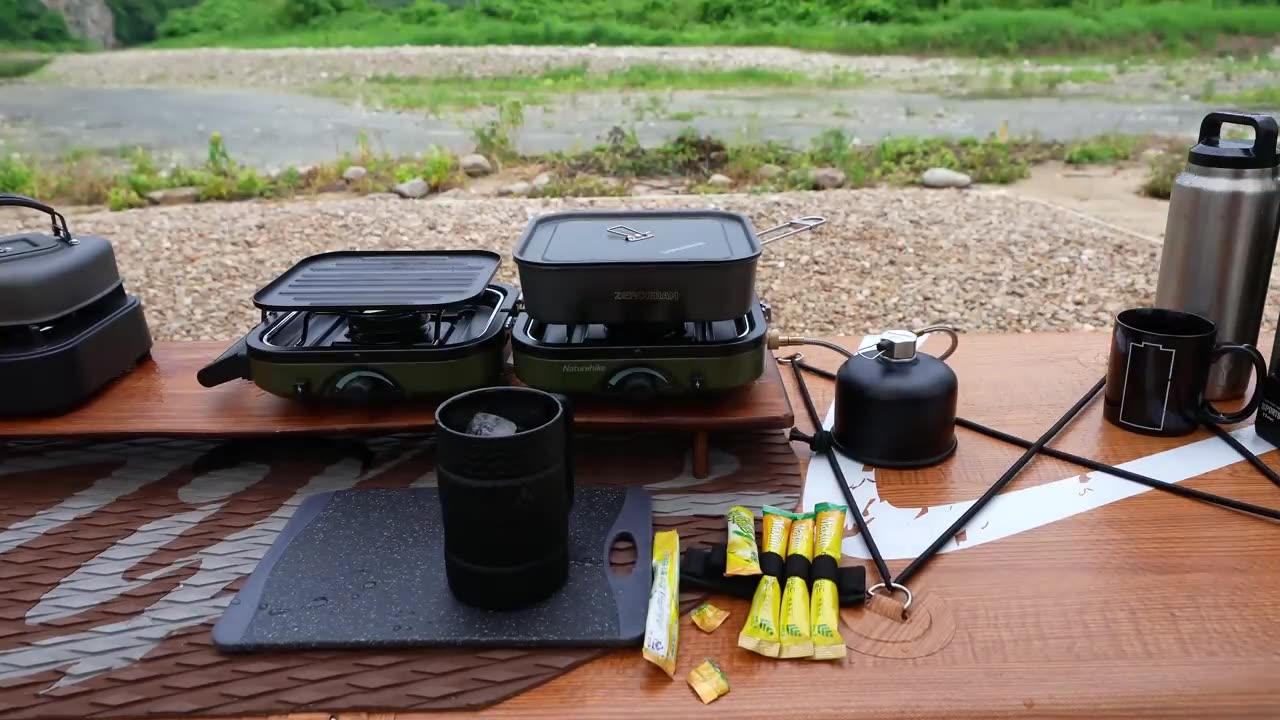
{"points": [[643, 360], [376, 326]]}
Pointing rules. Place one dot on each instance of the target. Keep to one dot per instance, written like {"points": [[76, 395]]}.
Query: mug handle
{"points": [[1216, 416]]}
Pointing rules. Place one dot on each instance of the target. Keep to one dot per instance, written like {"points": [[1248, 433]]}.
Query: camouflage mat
{"points": [[117, 557]]}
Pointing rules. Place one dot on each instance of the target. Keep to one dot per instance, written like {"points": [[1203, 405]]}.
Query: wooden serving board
{"points": [[162, 398]]}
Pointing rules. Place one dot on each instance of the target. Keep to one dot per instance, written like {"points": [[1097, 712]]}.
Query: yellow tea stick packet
{"points": [[760, 634], [794, 631], [662, 626], [742, 557], [708, 681], [824, 615], [708, 617]]}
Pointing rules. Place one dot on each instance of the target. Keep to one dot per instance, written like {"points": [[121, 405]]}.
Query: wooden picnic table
{"points": [[1153, 606]]}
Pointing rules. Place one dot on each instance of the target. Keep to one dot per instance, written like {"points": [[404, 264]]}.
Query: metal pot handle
{"points": [[60, 230], [791, 227]]}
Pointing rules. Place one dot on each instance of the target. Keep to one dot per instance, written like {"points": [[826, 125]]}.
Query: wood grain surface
{"points": [[162, 398], [1152, 607]]}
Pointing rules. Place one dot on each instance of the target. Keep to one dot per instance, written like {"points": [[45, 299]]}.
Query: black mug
{"points": [[505, 499], [1158, 370]]}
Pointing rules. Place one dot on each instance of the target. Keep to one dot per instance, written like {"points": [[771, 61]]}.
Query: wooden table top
{"points": [[1152, 606], [161, 397]]}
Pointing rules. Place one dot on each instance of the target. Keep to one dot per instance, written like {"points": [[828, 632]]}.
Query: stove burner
{"points": [[645, 333], [378, 327]]}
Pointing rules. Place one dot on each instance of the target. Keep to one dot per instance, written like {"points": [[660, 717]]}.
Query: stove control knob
{"points": [[365, 387], [638, 383]]}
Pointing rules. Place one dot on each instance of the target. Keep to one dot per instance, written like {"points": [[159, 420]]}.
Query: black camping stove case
{"points": [[67, 327], [1267, 424]]}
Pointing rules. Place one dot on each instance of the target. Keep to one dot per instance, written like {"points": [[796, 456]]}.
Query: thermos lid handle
{"points": [[1212, 151]]}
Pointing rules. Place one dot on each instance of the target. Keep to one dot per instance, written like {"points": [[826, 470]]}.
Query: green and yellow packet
{"points": [[708, 681], [760, 633], [742, 557], [662, 624], [824, 612], [708, 617], [794, 636]]}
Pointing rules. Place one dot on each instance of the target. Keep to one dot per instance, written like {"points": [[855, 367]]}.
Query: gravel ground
{"points": [[309, 66], [887, 258]]}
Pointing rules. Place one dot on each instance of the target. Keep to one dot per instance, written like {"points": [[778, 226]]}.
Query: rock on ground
{"points": [[516, 189], [944, 178], [475, 165], [720, 181], [888, 257], [827, 178], [174, 196], [355, 173], [541, 182], [415, 188]]}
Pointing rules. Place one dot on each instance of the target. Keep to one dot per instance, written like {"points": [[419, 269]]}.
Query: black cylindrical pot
{"points": [[505, 500], [895, 413]]}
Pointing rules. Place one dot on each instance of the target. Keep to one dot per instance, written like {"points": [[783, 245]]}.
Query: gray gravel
{"points": [[308, 66], [888, 257]]}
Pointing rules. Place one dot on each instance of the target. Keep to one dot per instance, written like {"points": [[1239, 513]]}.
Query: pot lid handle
{"points": [[789, 228]]}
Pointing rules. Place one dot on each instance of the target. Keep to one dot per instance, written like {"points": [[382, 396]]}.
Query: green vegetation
{"points": [[1161, 173], [121, 183], [124, 181], [29, 23], [1102, 150], [17, 66], [435, 94], [1026, 83], [976, 27], [138, 21], [1262, 98]]}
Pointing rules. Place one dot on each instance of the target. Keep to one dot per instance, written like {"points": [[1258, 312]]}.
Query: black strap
{"points": [[771, 563], [1245, 453], [824, 567], [704, 569], [797, 566]]}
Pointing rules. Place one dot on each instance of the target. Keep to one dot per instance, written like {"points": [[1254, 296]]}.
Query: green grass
{"points": [[864, 26], [17, 66], [1103, 150], [1025, 83], [438, 94], [1262, 98], [1161, 173]]}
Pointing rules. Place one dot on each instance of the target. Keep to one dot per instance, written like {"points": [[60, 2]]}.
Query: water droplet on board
{"points": [[320, 600], [262, 606], [278, 612], [397, 627], [370, 584], [235, 601]]}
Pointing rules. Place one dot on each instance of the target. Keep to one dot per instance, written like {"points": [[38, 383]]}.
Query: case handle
{"points": [[60, 230], [1264, 127]]}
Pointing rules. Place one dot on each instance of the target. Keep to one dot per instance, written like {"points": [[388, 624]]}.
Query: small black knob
{"points": [[366, 389], [638, 386]]}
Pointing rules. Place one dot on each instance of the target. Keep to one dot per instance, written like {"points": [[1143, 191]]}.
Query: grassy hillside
{"points": [[985, 27]]}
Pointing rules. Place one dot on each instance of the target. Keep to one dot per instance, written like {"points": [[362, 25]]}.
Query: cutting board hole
{"points": [[622, 554]]}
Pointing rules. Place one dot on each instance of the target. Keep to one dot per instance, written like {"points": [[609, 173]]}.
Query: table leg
{"points": [[701, 454]]}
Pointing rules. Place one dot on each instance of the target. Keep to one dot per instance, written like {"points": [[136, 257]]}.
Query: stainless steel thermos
{"points": [[1220, 238]]}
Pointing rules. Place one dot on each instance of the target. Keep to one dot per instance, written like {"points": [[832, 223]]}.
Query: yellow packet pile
{"points": [[662, 627], [794, 633], [824, 616], [742, 557], [760, 634], [708, 681], [708, 617]]}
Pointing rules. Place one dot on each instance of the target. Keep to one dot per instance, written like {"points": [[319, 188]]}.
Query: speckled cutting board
{"points": [[365, 569]]}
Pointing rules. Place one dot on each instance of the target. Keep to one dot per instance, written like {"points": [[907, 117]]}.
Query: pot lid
{"points": [[380, 280], [638, 236]]}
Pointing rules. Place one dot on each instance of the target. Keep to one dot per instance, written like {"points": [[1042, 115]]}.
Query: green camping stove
{"points": [[641, 361], [375, 327]]}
